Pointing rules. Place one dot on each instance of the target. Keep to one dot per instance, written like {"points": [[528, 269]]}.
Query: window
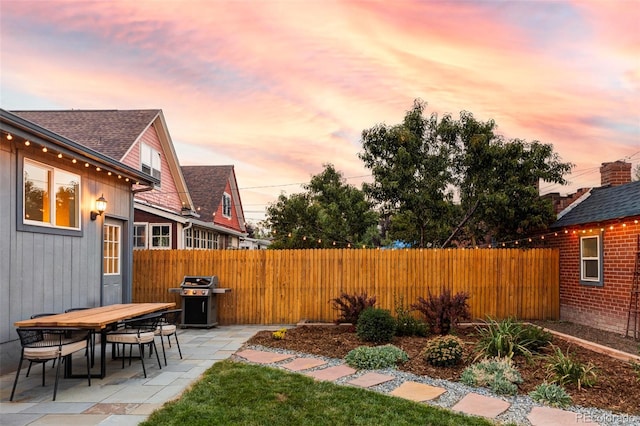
{"points": [[150, 159], [111, 247], [160, 236], [51, 196], [226, 205], [140, 236], [201, 239], [591, 260]]}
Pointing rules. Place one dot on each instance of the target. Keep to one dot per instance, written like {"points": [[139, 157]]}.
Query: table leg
{"points": [[103, 353]]}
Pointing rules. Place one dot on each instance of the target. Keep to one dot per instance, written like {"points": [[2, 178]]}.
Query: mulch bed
{"points": [[617, 388]]}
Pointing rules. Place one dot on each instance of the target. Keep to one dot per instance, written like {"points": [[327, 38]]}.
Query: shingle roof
{"points": [[110, 132], [206, 185], [604, 203]]}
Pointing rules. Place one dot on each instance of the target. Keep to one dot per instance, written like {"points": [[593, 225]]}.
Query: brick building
{"points": [[598, 233]]}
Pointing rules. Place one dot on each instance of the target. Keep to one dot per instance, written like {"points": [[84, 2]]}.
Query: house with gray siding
{"points": [[58, 250]]}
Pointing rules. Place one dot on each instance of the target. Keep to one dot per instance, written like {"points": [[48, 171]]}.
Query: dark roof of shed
{"points": [[604, 203], [111, 132], [206, 185]]}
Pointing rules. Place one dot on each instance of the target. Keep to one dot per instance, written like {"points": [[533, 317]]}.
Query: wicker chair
{"points": [[44, 344], [167, 327], [139, 332]]}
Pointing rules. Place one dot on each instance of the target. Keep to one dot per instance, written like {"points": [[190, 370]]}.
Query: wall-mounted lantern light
{"points": [[101, 206]]}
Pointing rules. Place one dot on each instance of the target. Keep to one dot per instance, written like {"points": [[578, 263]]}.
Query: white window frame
{"points": [[114, 259], [146, 235], [150, 161], [152, 246], [584, 279], [51, 187], [201, 239], [226, 205]]}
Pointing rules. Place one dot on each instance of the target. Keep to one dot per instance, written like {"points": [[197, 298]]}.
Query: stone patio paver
{"points": [[370, 379], [332, 373], [262, 357], [299, 364], [480, 405], [548, 416], [418, 392]]}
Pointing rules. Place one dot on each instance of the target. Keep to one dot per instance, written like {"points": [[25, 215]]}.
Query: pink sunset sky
{"points": [[278, 88]]}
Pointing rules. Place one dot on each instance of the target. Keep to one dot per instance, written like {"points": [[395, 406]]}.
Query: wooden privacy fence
{"points": [[286, 286]]}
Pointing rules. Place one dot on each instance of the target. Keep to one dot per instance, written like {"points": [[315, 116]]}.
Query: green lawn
{"points": [[233, 393]]}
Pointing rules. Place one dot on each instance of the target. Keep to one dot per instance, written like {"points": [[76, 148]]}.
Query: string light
{"points": [[27, 143], [59, 155], [9, 137], [44, 149]]}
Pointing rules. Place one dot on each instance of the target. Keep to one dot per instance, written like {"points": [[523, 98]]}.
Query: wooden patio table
{"points": [[97, 319]]}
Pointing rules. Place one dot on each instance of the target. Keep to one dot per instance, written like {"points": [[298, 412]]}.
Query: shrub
{"points": [[376, 357], [498, 374], [279, 335], [376, 325], [351, 306], [443, 351], [563, 370], [407, 324], [444, 311], [551, 394], [508, 337], [636, 368]]}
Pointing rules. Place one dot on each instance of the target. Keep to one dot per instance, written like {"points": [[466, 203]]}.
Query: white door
{"points": [[112, 249]]}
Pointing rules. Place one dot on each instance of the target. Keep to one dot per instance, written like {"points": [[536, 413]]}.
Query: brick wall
{"points": [[603, 307]]}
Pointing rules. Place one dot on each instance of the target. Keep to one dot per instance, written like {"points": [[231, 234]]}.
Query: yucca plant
{"points": [[507, 338], [562, 369]]}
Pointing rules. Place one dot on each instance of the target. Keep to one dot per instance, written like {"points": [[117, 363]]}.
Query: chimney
{"points": [[614, 174]]}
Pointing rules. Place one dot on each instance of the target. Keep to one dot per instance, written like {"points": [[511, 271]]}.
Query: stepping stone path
{"points": [[480, 405], [418, 392], [472, 404]]}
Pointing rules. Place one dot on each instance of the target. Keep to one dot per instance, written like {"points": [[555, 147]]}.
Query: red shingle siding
{"points": [[167, 196], [232, 222], [603, 307]]}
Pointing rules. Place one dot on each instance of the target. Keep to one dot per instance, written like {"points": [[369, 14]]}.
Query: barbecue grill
{"points": [[199, 304]]}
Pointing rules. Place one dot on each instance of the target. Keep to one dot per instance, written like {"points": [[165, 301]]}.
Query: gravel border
{"points": [[520, 407]]}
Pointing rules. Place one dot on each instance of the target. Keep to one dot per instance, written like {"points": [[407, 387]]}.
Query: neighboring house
{"points": [[215, 194], [56, 251], [597, 235], [254, 244], [165, 217]]}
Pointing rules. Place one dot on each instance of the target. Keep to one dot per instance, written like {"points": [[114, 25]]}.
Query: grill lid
{"points": [[199, 281]]}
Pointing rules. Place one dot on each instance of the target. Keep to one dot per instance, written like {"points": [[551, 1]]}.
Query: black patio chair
{"points": [[92, 343], [139, 332], [44, 344], [43, 314], [167, 327]]}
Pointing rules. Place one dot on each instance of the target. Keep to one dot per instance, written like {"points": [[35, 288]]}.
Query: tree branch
{"points": [[461, 224]]}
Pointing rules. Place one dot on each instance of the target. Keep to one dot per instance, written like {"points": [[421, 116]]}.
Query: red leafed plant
{"points": [[351, 306], [444, 311]]}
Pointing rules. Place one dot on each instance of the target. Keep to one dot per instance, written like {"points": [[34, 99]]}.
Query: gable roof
{"points": [[111, 132], [44, 137], [207, 184], [605, 203]]}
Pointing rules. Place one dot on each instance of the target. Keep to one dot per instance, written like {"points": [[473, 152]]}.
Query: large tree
{"points": [[495, 182], [412, 176], [330, 213]]}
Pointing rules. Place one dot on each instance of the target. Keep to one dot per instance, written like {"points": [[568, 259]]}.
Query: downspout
{"points": [[184, 236]]}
